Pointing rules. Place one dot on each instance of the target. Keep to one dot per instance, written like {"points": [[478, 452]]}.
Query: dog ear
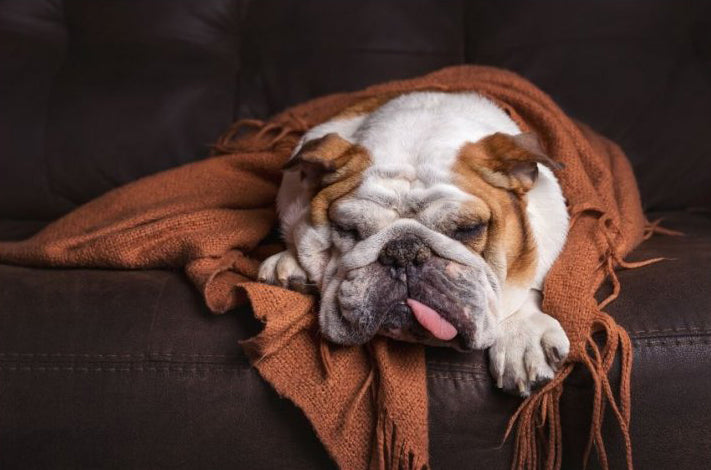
{"points": [[508, 161], [320, 157]]}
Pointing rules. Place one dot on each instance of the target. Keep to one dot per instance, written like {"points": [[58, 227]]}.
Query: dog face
{"points": [[408, 232]]}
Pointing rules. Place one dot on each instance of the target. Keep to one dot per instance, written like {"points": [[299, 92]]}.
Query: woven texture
{"points": [[368, 404]]}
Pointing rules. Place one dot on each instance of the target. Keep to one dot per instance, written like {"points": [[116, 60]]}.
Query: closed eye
{"points": [[349, 232], [468, 232]]}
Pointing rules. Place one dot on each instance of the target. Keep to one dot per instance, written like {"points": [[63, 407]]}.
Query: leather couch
{"points": [[114, 369]]}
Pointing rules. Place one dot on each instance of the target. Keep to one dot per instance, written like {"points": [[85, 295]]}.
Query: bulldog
{"points": [[427, 217]]}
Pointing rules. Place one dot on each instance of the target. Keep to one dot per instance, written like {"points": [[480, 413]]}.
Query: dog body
{"points": [[427, 217]]}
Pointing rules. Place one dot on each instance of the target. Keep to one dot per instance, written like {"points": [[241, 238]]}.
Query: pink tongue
{"points": [[432, 321]]}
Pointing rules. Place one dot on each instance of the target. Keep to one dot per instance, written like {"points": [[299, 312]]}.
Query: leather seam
{"points": [[669, 341], [112, 355], [121, 369], [691, 329], [461, 378], [457, 368], [156, 312]]}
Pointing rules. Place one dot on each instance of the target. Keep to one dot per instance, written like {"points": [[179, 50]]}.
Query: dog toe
{"points": [[284, 270], [528, 353]]}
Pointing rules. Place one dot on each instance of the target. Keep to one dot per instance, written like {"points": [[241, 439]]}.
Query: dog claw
{"points": [[532, 374], [522, 388], [283, 269], [528, 353]]}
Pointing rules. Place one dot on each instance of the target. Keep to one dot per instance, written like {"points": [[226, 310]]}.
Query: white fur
{"points": [[530, 347], [414, 141], [417, 137]]}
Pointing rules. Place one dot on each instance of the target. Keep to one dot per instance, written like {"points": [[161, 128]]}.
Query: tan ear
{"points": [[319, 157], [508, 161]]}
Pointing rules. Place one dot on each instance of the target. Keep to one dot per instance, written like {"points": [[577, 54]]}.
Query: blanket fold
{"points": [[368, 405]]}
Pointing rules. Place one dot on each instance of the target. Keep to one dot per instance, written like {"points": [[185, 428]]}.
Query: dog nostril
{"points": [[422, 254], [404, 251], [385, 259]]}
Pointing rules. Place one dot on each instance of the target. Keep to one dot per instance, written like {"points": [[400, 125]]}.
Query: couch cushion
{"points": [[637, 71], [666, 308], [95, 94], [302, 49], [130, 365], [11, 229], [127, 369]]}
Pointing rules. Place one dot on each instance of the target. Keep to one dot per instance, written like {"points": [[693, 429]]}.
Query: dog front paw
{"points": [[530, 349], [284, 270]]}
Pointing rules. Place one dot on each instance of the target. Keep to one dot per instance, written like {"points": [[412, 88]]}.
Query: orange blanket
{"points": [[368, 405]]}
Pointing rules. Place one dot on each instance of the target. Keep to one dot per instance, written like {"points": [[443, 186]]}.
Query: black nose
{"points": [[404, 251]]}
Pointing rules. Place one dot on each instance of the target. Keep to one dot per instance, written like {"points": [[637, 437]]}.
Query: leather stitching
{"points": [[694, 329], [112, 356], [458, 364], [121, 369], [458, 378], [670, 341]]}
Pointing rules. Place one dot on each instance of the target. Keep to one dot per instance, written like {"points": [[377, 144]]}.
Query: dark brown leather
{"points": [[666, 308], [95, 94], [130, 366], [111, 369], [129, 370]]}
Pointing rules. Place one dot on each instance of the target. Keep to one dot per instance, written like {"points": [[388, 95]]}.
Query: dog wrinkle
{"points": [[366, 106], [340, 183], [408, 173], [509, 236], [365, 299], [403, 251], [458, 294]]}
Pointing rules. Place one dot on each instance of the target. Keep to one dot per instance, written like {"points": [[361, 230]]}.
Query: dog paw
{"points": [[530, 349], [284, 270]]}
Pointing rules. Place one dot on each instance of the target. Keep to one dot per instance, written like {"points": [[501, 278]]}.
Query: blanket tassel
{"points": [[391, 451], [538, 441]]}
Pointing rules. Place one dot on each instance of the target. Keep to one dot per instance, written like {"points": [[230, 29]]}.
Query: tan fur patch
{"points": [[365, 106], [474, 214], [340, 182], [331, 167], [321, 155], [509, 237], [507, 161]]}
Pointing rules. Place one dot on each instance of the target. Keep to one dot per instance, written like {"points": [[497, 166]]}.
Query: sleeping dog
{"points": [[427, 217]]}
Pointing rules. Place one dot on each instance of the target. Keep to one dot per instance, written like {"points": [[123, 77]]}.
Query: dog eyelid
{"points": [[353, 232], [468, 231]]}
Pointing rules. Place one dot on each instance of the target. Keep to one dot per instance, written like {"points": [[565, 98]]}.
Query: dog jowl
{"points": [[429, 218]]}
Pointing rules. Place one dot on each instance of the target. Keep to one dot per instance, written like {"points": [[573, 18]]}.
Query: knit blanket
{"points": [[368, 405]]}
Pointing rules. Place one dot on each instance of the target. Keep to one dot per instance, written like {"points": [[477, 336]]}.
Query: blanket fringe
{"points": [[391, 450], [325, 355], [598, 364], [233, 140], [654, 227], [538, 442], [538, 430]]}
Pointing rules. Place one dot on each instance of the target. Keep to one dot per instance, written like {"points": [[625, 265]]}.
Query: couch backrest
{"points": [[94, 94]]}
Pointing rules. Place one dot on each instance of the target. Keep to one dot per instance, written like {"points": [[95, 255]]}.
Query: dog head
{"points": [[419, 247]]}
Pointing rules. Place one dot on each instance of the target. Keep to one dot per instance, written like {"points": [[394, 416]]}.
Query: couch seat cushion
{"points": [[129, 367]]}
